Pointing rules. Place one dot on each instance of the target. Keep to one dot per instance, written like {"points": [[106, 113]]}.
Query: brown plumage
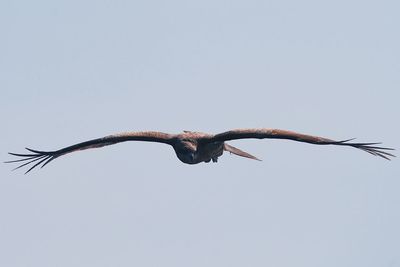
{"points": [[195, 147]]}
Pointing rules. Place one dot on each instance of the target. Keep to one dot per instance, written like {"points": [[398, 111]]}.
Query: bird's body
{"points": [[189, 150], [195, 147]]}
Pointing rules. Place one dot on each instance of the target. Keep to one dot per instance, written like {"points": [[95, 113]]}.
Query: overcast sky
{"points": [[76, 70]]}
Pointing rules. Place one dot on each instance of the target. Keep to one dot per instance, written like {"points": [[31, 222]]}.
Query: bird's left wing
{"points": [[262, 133], [37, 157]]}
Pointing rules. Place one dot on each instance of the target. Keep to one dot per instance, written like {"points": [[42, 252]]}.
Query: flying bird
{"points": [[195, 147]]}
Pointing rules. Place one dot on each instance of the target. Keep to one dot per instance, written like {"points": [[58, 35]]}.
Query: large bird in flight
{"points": [[195, 147]]}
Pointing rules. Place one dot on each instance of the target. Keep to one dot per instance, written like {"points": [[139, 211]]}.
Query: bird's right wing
{"points": [[44, 157]]}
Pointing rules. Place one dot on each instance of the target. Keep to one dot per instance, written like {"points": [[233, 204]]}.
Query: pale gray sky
{"points": [[77, 70]]}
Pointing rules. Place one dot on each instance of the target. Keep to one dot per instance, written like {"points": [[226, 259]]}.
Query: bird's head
{"points": [[186, 151]]}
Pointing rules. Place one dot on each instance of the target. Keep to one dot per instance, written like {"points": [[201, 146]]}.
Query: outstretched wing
{"points": [[371, 148], [37, 157]]}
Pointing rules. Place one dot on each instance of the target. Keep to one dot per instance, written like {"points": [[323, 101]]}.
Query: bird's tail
{"points": [[238, 152]]}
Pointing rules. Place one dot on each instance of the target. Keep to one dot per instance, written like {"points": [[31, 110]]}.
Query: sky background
{"points": [[77, 70]]}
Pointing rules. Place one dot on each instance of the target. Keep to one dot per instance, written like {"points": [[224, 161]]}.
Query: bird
{"points": [[195, 147]]}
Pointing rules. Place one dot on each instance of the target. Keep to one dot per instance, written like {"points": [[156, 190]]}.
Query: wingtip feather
{"points": [[37, 158]]}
